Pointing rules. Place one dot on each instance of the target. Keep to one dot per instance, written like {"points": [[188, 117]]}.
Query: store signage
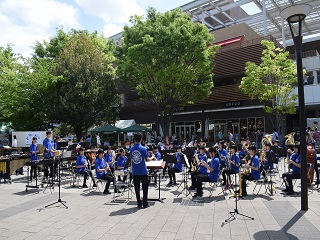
{"points": [[233, 104]]}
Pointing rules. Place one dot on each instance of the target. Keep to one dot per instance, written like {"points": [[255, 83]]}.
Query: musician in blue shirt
{"points": [[233, 163], [212, 169], [223, 154], [48, 153], [176, 168], [121, 164], [110, 159], [82, 168], [268, 160], [254, 166], [139, 155], [296, 170], [33, 157], [154, 156], [102, 169], [48, 144], [201, 168]]}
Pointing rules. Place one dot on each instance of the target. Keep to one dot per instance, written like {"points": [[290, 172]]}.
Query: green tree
{"points": [[24, 90], [167, 59], [87, 89], [272, 82]]}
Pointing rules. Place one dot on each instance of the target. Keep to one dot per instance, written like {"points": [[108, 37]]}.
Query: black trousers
{"points": [[227, 172], [316, 169], [85, 174], [246, 177], [287, 177], [172, 174], [109, 179], [194, 176], [200, 179], [33, 171], [143, 179]]}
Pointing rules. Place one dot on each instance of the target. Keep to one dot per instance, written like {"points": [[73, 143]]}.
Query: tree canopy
{"points": [[272, 81], [167, 59]]}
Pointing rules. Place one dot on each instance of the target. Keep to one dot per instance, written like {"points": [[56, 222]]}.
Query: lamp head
{"points": [[296, 13]]}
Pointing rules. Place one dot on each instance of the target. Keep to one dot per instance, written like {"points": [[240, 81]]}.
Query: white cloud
{"points": [[110, 29], [115, 11], [24, 22]]}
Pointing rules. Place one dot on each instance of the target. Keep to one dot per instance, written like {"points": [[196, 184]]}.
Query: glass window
{"points": [[243, 128], [260, 123]]}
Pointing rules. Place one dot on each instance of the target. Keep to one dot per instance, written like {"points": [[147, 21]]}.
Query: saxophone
{"points": [[194, 167], [246, 170]]}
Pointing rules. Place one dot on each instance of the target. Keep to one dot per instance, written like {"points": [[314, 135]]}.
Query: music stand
{"points": [[62, 145], [85, 145], [72, 147], [59, 183], [185, 161], [235, 213]]}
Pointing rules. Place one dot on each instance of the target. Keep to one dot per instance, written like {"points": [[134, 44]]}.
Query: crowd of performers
{"points": [[206, 164]]}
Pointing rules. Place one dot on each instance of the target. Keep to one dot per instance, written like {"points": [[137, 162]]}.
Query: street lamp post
{"points": [[296, 14]]}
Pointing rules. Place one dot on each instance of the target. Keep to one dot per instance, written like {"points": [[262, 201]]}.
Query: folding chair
{"points": [[122, 184], [98, 182]]}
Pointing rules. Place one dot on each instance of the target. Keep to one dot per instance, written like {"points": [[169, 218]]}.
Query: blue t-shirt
{"points": [[255, 163], [223, 156], [81, 160], [47, 143], [157, 155], [121, 161], [33, 156], [108, 158], [178, 165], [296, 158], [100, 164], [138, 154], [203, 157], [235, 158], [215, 164]]}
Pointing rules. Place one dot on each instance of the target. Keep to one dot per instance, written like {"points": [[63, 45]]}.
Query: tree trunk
{"points": [[165, 123], [78, 132]]}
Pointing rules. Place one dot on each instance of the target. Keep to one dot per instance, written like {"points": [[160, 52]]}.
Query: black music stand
{"points": [[235, 213], [59, 184], [85, 145], [185, 161], [29, 164], [159, 199], [62, 145]]}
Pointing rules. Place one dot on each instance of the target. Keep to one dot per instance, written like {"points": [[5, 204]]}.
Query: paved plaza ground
{"points": [[92, 215]]}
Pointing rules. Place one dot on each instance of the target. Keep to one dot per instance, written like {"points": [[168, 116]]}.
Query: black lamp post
{"points": [[296, 14]]}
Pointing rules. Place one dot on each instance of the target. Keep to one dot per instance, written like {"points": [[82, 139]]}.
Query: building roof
{"points": [[219, 14]]}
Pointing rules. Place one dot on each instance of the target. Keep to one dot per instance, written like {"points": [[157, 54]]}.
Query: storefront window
{"points": [[260, 124], [243, 128]]}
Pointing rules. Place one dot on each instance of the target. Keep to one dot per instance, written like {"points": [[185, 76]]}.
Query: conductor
{"points": [[139, 155]]}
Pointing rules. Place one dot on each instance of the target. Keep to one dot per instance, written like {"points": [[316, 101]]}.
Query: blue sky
{"points": [[23, 22]]}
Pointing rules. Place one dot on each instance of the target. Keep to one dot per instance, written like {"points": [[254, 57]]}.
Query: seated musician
{"points": [[48, 153], [234, 164], [176, 168], [184, 145], [82, 168], [110, 158], [121, 164], [223, 154], [33, 157], [277, 155], [296, 170], [155, 156], [102, 169], [268, 160], [201, 168], [162, 146], [213, 169], [254, 166]]}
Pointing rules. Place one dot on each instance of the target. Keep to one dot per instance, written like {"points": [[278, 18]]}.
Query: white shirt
{"points": [[98, 140], [15, 143]]}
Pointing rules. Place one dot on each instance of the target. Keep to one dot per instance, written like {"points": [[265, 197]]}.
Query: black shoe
{"points": [[285, 190], [290, 193], [146, 205], [84, 186], [223, 183], [106, 192], [191, 188], [170, 183], [244, 194], [174, 183], [139, 206], [94, 185]]}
